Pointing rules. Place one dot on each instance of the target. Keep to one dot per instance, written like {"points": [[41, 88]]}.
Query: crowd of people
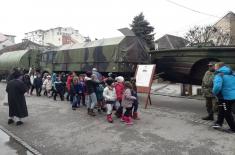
{"points": [[114, 93], [218, 87], [91, 90]]}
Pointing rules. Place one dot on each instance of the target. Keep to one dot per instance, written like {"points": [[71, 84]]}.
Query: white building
{"points": [[57, 36], [6, 40]]}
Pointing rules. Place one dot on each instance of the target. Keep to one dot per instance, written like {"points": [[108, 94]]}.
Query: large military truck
{"points": [[23, 59], [188, 65], [118, 55]]}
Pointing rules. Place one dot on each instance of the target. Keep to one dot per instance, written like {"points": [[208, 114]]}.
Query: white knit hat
{"points": [[119, 79]]}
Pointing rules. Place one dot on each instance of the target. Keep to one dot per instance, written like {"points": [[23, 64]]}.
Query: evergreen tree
{"points": [[143, 30]]}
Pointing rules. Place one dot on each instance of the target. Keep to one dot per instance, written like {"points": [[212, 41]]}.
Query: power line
{"points": [[185, 7]]}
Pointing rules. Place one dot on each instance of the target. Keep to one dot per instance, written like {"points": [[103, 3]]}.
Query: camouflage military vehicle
{"points": [[118, 55], [188, 65], [22, 55], [23, 59]]}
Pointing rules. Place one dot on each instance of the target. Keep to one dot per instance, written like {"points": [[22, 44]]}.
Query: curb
{"points": [[20, 141]]}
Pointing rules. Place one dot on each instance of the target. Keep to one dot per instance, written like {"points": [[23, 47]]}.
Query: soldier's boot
{"points": [[208, 118]]}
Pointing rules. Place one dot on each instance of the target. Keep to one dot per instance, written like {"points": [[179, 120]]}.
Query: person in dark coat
{"points": [[9, 78], [58, 89], [38, 84], [12, 74], [16, 99], [26, 80]]}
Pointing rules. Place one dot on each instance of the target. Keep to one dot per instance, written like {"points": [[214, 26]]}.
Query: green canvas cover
{"points": [[21, 58], [10, 60], [118, 54]]}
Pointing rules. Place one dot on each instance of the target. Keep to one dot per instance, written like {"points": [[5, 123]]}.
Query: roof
{"points": [[11, 58], [227, 24], [8, 35], [101, 42], [170, 42], [27, 44], [230, 16], [2, 37]]}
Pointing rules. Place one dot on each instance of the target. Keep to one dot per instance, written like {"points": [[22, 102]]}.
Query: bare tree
{"points": [[207, 36]]}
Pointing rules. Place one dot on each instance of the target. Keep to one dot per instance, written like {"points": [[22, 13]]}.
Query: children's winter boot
{"points": [[92, 113], [129, 121], [123, 118], [135, 116], [109, 118]]}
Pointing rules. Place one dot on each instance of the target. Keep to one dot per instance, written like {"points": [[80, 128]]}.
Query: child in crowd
{"points": [[136, 102], [99, 93], [110, 98], [75, 90], [100, 98], [47, 85], [127, 103], [58, 89], [32, 77], [90, 93], [37, 82], [119, 87], [26, 80], [68, 85], [53, 80], [43, 80], [82, 93]]}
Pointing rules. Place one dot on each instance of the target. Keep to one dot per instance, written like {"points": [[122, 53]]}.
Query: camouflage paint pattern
{"points": [[188, 65], [120, 54]]}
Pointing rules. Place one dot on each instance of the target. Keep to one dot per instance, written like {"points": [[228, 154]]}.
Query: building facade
{"points": [[56, 36], [227, 25], [6, 40]]}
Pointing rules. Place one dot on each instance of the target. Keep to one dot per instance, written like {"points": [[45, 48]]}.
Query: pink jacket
{"points": [[127, 99], [68, 82]]}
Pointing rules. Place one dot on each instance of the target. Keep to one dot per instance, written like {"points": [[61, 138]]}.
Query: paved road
{"points": [[9, 146], [169, 126]]}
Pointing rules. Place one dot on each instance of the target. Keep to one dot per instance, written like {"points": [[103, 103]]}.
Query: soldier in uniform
{"points": [[207, 85]]}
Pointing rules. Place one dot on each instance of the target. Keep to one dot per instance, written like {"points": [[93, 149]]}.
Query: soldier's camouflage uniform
{"points": [[207, 85]]}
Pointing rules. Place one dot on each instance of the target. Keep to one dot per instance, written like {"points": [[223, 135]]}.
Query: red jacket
{"points": [[68, 82], [119, 87]]}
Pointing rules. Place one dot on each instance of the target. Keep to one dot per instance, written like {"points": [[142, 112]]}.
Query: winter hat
{"points": [[119, 79]]}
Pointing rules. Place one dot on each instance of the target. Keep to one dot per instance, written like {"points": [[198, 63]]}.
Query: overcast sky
{"points": [[101, 18]]}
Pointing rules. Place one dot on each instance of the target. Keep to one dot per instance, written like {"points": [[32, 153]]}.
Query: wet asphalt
{"points": [[9, 146], [171, 125]]}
